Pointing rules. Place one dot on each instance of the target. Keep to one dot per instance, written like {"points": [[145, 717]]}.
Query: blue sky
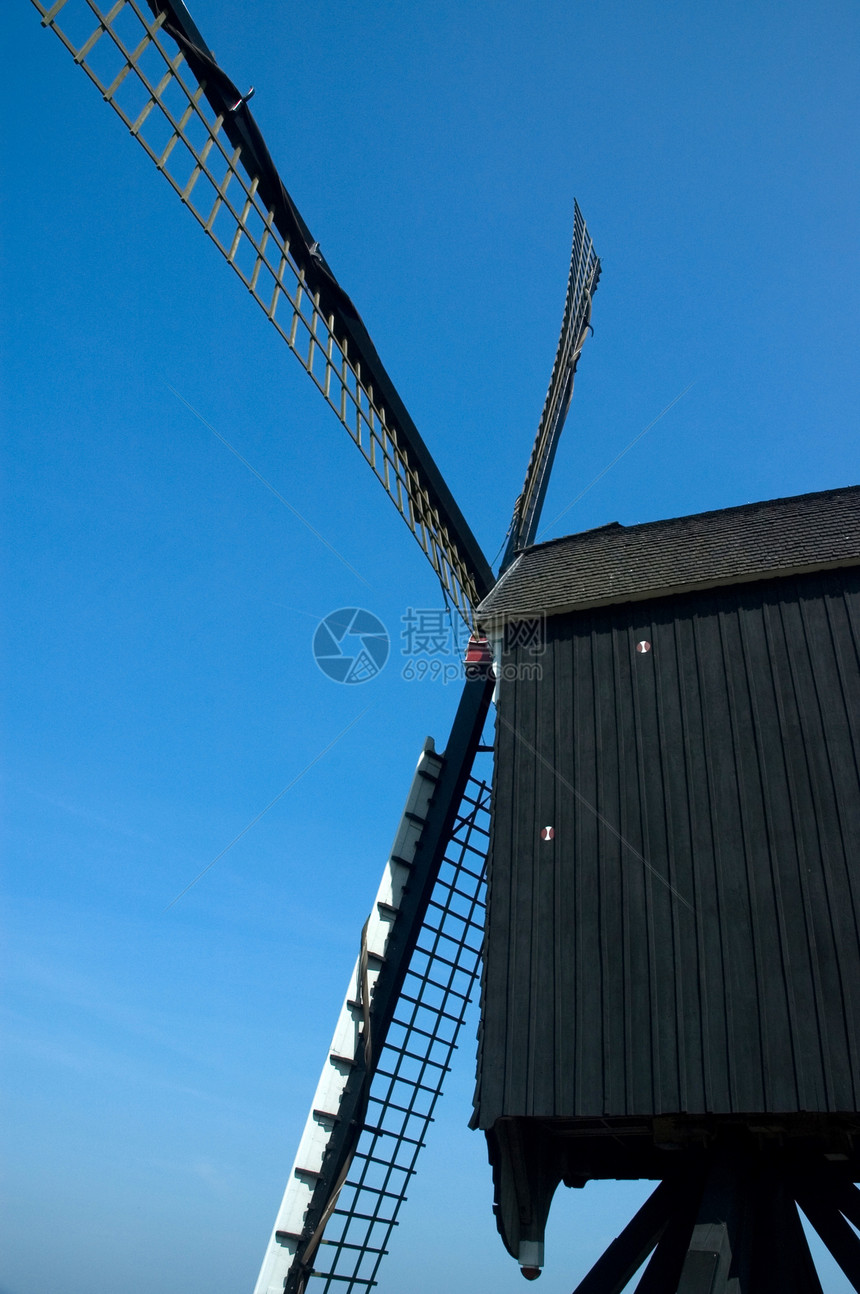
{"points": [[160, 602]]}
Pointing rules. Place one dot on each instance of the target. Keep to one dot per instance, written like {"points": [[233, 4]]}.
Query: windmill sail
{"points": [[155, 70], [581, 286], [396, 1032], [440, 982]]}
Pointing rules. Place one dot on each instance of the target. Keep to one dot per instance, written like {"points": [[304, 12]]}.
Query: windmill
{"points": [[427, 509]]}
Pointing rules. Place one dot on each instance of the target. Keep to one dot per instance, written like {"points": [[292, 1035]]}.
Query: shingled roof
{"points": [[618, 563]]}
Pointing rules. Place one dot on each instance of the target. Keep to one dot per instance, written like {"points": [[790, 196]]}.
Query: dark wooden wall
{"points": [[689, 941]]}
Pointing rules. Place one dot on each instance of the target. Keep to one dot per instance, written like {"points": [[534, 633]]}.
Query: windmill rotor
{"points": [[420, 950]]}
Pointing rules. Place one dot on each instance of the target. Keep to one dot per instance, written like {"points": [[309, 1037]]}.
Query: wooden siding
{"points": [[689, 941]]}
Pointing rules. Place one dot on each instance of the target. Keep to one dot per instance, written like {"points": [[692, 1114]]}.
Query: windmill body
{"points": [[672, 961]]}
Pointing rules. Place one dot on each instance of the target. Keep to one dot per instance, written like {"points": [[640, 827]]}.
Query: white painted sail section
{"points": [[346, 1042]]}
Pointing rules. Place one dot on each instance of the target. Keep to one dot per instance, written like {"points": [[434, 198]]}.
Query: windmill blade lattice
{"points": [[340, 1207], [194, 124], [581, 286], [408, 1081]]}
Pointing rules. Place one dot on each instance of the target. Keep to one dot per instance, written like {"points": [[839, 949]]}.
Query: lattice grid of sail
{"points": [[146, 79], [581, 286], [417, 1055]]}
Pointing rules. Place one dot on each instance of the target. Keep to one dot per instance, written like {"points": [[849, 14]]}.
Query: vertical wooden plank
{"points": [[679, 868], [835, 787], [711, 977], [778, 1086], [567, 1022], [589, 1094], [547, 930], [610, 967], [787, 645], [658, 896], [494, 1041], [638, 1062], [742, 1085], [774, 867]]}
